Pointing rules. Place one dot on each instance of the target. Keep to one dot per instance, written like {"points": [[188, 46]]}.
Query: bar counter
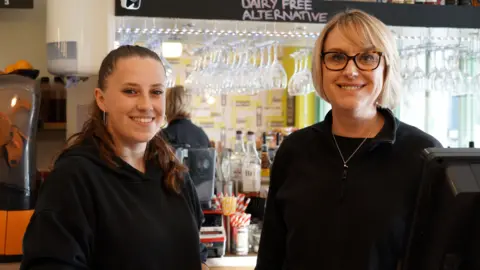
{"points": [[228, 262]]}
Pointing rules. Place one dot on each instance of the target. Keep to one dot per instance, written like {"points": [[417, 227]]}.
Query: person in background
{"points": [[180, 129], [342, 191], [117, 198]]}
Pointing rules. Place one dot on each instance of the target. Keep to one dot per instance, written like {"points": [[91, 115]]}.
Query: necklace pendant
{"points": [[345, 172], [343, 182]]}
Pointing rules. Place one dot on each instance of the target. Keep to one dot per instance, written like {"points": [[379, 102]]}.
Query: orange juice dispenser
{"points": [[19, 106]]}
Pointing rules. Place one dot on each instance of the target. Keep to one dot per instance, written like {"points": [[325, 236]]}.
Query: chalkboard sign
{"points": [[301, 11], [282, 10], [21, 4]]}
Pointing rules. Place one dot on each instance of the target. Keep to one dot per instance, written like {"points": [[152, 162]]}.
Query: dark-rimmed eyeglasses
{"points": [[366, 61]]}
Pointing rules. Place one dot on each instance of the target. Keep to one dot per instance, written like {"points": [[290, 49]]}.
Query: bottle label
{"points": [[265, 172], [251, 178], [237, 172], [265, 177], [241, 241]]}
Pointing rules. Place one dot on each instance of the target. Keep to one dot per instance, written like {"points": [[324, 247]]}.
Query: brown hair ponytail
{"points": [[94, 128]]}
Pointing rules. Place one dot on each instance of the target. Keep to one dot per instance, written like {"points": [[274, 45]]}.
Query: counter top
{"points": [[233, 261], [9, 266], [227, 262]]}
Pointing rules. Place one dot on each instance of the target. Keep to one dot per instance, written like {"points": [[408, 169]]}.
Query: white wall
{"points": [[79, 99], [22, 35]]}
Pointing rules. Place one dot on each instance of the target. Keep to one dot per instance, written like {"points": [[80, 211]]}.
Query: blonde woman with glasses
{"points": [[342, 191]]}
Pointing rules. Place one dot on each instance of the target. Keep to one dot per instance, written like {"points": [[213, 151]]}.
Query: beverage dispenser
{"points": [[19, 107]]}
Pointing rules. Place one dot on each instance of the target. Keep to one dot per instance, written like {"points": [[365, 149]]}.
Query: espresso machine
{"points": [[19, 107], [201, 167], [201, 164]]}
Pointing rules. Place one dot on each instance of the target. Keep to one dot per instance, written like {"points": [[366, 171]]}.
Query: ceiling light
{"points": [[172, 49]]}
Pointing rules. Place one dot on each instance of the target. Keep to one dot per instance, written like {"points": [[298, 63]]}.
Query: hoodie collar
{"points": [[90, 150], [386, 135], [178, 120]]}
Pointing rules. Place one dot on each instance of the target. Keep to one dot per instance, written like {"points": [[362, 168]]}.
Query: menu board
{"points": [[301, 11], [284, 10]]}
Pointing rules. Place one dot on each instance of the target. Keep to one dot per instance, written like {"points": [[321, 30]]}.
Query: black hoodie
{"points": [[92, 216]]}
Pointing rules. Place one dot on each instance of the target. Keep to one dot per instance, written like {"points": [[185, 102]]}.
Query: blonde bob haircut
{"points": [[363, 30], [178, 103]]}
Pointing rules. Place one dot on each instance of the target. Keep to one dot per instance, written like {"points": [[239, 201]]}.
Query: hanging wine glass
{"points": [[277, 72], [192, 78], [229, 82], [290, 89], [307, 81], [416, 86], [129, 37], [440, 86], [458, 79], [264, 70], [301, 83]]}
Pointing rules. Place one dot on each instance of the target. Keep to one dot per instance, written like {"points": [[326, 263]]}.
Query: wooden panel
{"points": [[17, 222]]}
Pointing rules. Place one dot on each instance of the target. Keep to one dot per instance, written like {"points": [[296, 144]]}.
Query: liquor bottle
{"points": [[236, 162], [251, 166], [226, 170], [266, 163], [278, 139]]}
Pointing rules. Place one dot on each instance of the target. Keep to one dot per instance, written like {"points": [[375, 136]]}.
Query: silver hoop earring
{"points": [[166, 122]]}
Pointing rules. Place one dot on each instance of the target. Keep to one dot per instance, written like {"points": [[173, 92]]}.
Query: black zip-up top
{"points": [[92, 216], [321, 215], [182, 131]]}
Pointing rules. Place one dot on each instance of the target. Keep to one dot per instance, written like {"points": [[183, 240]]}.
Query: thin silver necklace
{"points": [[345, 162]]}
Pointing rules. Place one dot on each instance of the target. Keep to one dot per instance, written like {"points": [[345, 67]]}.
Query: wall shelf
{"points": [[54, 126]]}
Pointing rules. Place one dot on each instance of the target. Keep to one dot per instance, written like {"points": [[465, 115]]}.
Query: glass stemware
{"points": [[277, 72]]}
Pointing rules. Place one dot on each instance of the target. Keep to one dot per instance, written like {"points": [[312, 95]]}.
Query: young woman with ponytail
{"points": [[117, 198]]}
